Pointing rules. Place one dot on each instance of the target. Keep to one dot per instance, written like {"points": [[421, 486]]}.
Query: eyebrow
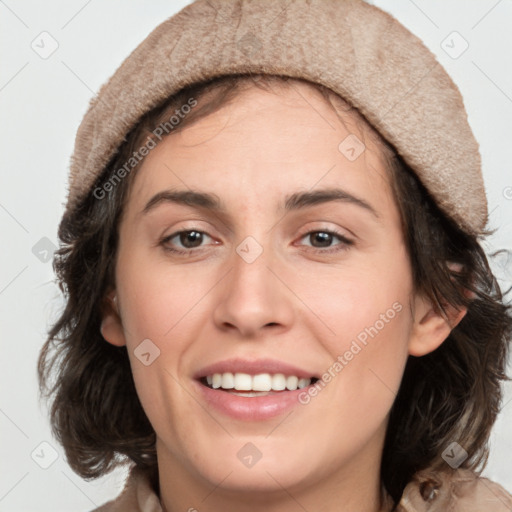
{"points": [[300, 200], [295, 201]]}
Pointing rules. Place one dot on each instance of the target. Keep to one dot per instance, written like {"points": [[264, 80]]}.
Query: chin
{"points": [[258, 479]]}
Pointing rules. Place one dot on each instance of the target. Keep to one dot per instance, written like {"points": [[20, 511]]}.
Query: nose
{"points": [[254, 297]]}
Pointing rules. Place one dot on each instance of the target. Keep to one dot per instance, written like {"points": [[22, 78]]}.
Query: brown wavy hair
{"points": [[451, 394]]}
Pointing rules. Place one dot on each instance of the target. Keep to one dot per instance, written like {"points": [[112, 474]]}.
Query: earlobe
{"points": [[431, 327], [111, 326]]}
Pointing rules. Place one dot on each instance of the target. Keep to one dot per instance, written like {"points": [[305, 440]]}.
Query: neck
{"points": [[354, 486]]}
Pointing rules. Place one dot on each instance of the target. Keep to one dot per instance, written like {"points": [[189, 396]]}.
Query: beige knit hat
{"points": [[351, 47]]}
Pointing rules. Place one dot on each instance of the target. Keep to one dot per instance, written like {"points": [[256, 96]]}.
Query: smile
{"points": [[248, 397], [261, 384]]}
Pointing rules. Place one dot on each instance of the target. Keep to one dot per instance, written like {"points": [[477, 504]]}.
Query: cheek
{"points": [[162, 314], [158, 297], [160, 304], [368, 324], [364, 300]]}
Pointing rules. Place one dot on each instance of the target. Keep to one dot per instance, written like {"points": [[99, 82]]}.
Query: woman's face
{"points": [[266, 282]]}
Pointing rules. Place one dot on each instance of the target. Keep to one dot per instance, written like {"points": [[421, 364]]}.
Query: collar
{"points": [[459, 490]]}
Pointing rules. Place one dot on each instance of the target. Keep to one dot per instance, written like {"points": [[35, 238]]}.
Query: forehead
{"points": [[298, 107], [266, 142]]}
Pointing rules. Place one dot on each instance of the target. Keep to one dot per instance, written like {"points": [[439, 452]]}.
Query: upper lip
{"points": [[253, 367]]}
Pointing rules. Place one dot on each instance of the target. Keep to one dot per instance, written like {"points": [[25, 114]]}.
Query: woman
{"points": [[276, 293]]}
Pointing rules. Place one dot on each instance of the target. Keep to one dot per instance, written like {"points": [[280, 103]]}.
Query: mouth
{"points": [[253, 389], [241, 397], [262, 384]]}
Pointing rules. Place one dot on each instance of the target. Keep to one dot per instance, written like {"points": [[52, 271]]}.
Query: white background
{"points": [[42, 102]]}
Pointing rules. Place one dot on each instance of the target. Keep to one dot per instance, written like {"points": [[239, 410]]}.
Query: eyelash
{"points": [[346, 243]]}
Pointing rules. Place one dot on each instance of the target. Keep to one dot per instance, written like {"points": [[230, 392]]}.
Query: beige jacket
{"points": [[461, 491]]}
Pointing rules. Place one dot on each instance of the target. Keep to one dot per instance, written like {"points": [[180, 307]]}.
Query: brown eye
{"points": [[324, 239], [184, 241], [190, 239]]}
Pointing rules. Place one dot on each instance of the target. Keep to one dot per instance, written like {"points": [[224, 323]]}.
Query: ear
{"points": [[431, 327], [111, 326]]}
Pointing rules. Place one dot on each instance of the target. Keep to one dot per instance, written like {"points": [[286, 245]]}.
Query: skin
{"points": [[291, 303]]}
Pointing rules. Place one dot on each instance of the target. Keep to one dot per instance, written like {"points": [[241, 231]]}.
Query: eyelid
{"points": [[329, 227], [328, 222], [194, 224]]}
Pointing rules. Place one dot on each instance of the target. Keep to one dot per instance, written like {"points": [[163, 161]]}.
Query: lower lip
{"points": [[255, 408]]}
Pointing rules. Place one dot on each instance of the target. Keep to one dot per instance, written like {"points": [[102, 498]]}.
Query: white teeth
{"points": [[291, 382], [303, 383], [243, 382], [228, 381], [262, 382], [216, 380], [259, 382], [278, 382]]}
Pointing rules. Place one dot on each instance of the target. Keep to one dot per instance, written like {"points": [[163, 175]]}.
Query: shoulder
{"points": [[136, 496], [460, 490]]}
